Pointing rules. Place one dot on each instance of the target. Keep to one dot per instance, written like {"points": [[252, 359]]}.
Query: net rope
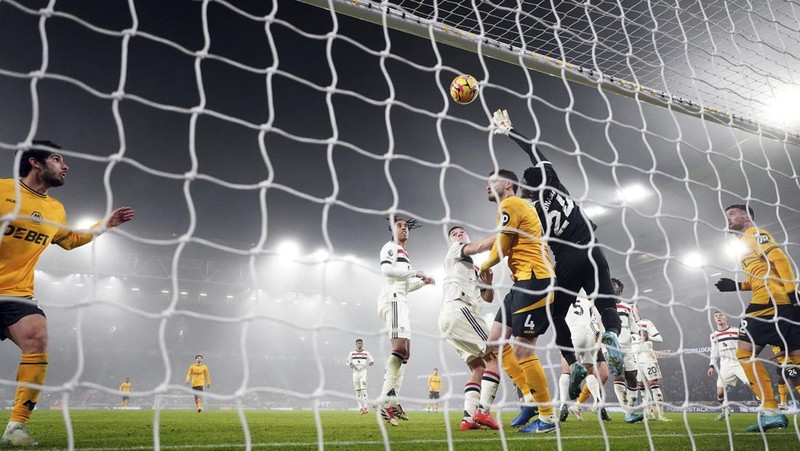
{"points": [[737, 56]]}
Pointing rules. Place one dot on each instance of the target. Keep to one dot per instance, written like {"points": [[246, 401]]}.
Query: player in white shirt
{"points": [[358, 361], [649, 373], [627, 388], [466, 330], [585, 328], [724, 343], [399, 278]]}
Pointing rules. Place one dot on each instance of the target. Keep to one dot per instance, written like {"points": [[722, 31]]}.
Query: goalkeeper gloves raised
{"points": [[726, 284], [502, 122]]}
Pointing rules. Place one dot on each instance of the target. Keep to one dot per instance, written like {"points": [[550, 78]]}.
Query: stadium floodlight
{"points": [[134, 289], [647, 290], [85, 223], [351, 258], [288, 249], [693, 260], [184, 293], [632, 193], [320, 255], [735, 248], [165, 291], [784, 108], [202, 295], [594, 211]]}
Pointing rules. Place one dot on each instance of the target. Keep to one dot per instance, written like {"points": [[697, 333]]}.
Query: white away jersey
{"points": [[359, 359], [629, 334], [724, 344], [646, 352], [581, 316], [460, 277], [398, 275]]}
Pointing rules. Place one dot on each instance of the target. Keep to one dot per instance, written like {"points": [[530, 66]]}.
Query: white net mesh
{"points": [[235, 127]]}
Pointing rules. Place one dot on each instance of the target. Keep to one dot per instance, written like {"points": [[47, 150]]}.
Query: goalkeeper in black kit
{"points": [[580, 262]]}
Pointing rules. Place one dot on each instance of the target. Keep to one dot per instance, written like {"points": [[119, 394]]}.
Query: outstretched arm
{"points": [[70, 239], [503, 126]]}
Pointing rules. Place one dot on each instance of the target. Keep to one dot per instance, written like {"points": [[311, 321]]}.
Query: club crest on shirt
{"points": [[36, 217], [762, 239], [390, 253]]}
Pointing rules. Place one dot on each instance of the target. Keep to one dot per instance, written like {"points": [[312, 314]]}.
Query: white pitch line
{"points": [[539, 437]]}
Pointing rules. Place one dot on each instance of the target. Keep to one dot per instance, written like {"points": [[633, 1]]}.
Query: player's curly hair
{"points": [[615, 281], [412, 223]]}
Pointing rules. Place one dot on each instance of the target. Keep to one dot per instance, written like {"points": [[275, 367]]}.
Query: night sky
{"points": [[303, 123]]}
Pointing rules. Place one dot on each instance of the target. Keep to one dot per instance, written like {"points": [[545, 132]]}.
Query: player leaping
{"points": [[771, 317], [580, 262], [399, 278]]}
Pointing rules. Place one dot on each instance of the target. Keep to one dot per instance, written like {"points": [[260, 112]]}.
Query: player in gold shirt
{"points": [[770, 277], [784, 368], [434, 387], [525, 307], [197, 377], [126, 388], [32, 220]]}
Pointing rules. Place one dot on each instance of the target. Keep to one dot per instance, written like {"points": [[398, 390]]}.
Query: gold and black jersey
{"points": [[529, 256], [40, 221], [197, 376], [767, 270]]}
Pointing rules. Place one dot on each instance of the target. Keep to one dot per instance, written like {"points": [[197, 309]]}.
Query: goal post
{"points": [[395, 17]]}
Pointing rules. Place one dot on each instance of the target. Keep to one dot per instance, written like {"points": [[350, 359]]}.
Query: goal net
{"points": [[264, 144]]}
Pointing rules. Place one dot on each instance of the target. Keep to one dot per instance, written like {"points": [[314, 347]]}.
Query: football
{"points": [[464, 89]]}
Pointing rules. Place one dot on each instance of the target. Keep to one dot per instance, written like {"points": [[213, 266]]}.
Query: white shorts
{"points": [[360, 380], [394, 315], [630, 362], [586, 346], [728, 376], [649, 371], [466, 332]]}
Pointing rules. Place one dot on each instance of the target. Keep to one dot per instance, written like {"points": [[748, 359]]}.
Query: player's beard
{"points": [[52, 179]]}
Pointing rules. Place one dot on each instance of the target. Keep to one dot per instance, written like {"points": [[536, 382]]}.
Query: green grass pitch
{"points": [[219, 429]]}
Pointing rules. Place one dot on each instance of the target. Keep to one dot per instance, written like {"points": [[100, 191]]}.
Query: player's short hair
{"points": [[742, 207], [198, 355], [37, 154], [453, 228], [358, 339], [616, 281], [508, 175]]}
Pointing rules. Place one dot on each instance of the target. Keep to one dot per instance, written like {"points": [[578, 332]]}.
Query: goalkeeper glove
{"points": [[502, 122], [726, 284]]}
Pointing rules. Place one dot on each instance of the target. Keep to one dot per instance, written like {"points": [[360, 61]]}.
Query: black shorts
{"points": [[528, 310], [773, 331], [503, 315], [126, 398], [433, 395], [574, 270], [14, 309], [200, 388]]}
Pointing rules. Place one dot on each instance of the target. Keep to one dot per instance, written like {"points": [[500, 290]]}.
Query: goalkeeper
{"points": [[773, 313], [33, 220], [580, 262]]}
